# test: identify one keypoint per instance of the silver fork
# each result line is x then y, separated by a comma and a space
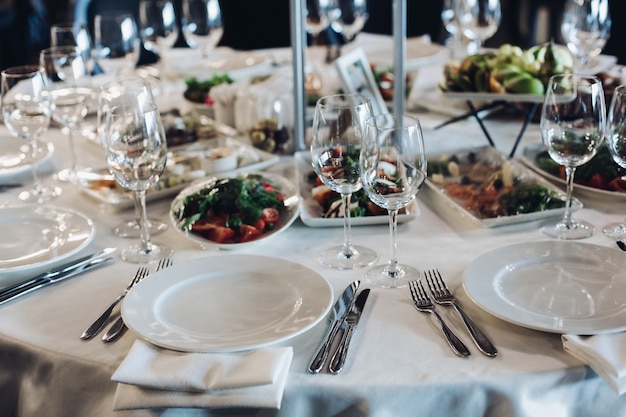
422, 303
98, 325
119, 327
442, 295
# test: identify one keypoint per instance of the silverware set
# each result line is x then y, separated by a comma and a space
118, 328
442, 296
346, 314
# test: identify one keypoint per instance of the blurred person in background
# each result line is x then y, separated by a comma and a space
24, 31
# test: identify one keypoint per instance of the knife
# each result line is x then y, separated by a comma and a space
341, 309
339, 358
61, 273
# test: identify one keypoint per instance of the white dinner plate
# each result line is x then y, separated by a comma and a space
13, 161
34, 237
553, 286
238, 65
310, 210
227, 303
420, 52
529, 156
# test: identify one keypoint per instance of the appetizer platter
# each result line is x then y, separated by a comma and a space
491, 190
234, 211
186, 164
601, 177
321, 207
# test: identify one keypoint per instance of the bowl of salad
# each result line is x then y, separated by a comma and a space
236, 211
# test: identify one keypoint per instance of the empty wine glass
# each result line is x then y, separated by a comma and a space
73, 34
616, 142
393, 171
113, 94
572, 128
486, 15
69, 86
586, 27
202, 24
158, 28
319, 15
338, 127
116, 42
136, 153
26, 113
352, 18
455, 15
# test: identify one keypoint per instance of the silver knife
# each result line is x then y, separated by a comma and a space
341, 309
61, 273
339, 358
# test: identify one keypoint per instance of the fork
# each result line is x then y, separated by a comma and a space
422, 303
443, 296
98, 325
119, 327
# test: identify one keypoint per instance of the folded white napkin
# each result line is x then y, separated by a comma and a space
151, 377
604, 353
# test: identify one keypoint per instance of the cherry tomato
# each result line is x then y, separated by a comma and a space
270, 215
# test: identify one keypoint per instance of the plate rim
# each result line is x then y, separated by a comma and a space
165, 276
473, 280
78, 248
20, 169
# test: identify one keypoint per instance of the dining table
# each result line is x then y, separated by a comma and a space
399, 364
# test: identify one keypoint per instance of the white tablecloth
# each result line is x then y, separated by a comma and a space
399, 366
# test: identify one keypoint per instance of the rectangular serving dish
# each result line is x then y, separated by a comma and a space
183, 168
492, 157
310, 210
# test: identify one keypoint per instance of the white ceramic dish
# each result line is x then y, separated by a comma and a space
238, 65
35, 237
529, 155
420, 52
521, 172
280, 183
553, 286
227, 303
184, 167
310, 209
12, 161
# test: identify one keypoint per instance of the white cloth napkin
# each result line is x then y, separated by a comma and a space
151, 377
604, 353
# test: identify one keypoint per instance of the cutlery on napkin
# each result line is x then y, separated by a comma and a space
151, 377
604, 353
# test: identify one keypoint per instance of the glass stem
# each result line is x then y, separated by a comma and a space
70, 129
569, 178
392, 266
34, 150
143, 220
348, 250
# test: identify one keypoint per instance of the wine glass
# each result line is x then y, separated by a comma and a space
572, 128
455, 16
616, 142
202, 24
70, 92
113, 94
338, 127
484, 22
73, 34
116, 42
158, 27
352, 18
26, 113
136, 153
393, 171
319, 15
586, 27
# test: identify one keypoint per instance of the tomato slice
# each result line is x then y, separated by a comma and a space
248, 232
270, 215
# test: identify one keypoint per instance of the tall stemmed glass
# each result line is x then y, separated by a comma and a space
202, 24
136, 153
69, 86
26, 112
338, 127
455, 16
158, 28
572, 125
486, 16
319, 15
116, 40
73, 34
616, 142
393, 171
352, 18
586, 27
